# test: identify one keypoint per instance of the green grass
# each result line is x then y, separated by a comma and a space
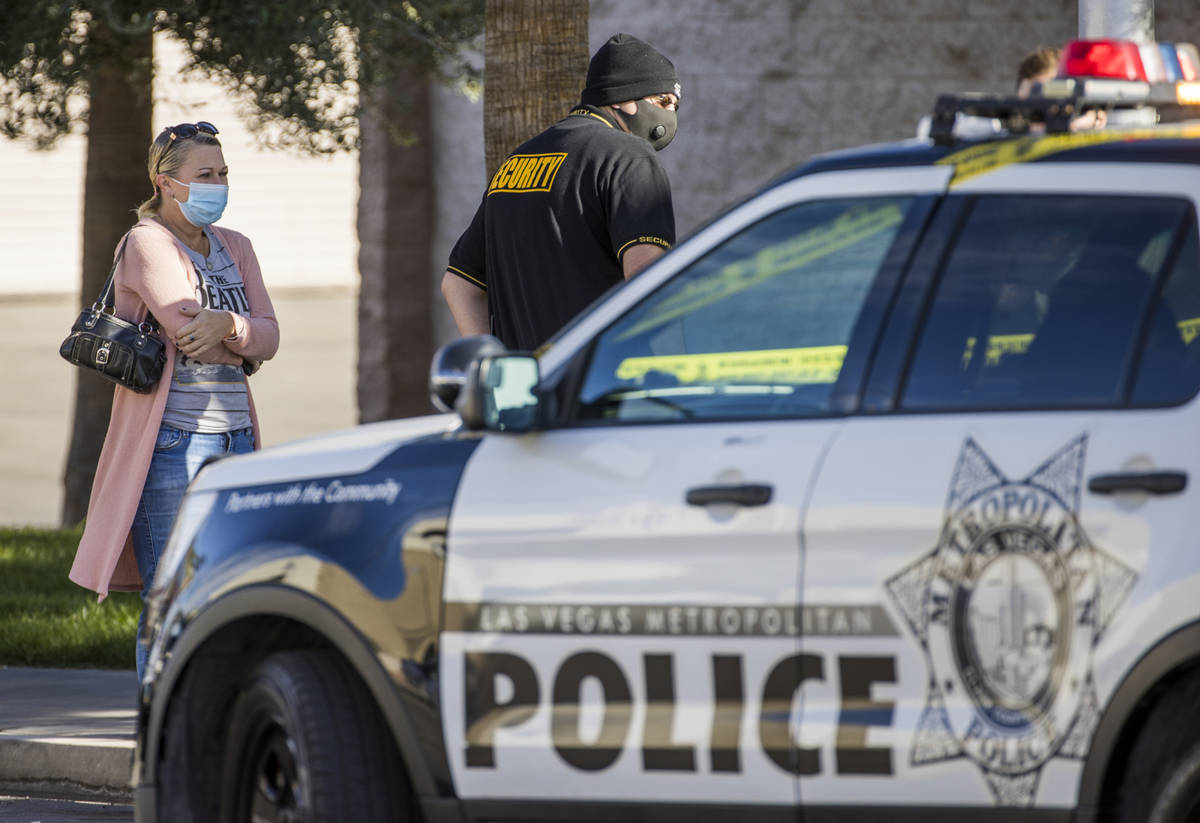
48, 621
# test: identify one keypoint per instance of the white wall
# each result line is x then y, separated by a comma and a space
461, 177
298, 210
41, 216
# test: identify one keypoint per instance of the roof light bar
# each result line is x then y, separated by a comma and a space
1135, 83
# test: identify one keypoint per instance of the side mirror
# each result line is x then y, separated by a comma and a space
499, 393
450, 366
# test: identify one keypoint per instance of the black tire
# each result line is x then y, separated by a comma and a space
307, 745
1160, 779
1179, 801
190, 763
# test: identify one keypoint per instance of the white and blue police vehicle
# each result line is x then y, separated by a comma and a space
872, 500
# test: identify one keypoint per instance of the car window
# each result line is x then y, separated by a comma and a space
1041, 302
758, 327
1169, 372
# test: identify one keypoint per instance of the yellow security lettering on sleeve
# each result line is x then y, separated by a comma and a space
645, 239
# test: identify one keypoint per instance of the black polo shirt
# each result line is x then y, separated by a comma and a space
555, 221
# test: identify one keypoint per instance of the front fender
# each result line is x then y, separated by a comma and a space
351, 561
326, 620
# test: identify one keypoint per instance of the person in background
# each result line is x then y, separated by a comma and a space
204, 287
575, 209
1040, 66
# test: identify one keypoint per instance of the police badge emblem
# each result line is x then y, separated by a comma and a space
1007, 608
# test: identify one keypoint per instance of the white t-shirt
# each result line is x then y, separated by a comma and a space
211, 397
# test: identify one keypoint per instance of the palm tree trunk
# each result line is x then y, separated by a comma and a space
395, 259
115, 181
535, 62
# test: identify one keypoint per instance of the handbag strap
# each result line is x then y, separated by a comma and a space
105, 301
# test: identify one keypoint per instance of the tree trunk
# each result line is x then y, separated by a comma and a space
115, 181
395, 258
535, 64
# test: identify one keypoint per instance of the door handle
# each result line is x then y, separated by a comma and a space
1168, 482
746, 494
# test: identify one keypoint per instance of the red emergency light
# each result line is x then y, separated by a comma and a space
1118, 59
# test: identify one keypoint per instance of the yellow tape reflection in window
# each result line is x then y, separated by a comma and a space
815, 364
998, 346
848, 229
1188, 329
1001, 344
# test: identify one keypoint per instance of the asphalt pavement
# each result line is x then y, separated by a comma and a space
20, 809
67, 732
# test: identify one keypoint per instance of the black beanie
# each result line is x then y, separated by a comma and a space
626, 68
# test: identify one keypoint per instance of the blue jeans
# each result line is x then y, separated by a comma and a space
178, 456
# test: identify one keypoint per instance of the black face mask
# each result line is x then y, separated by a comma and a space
652, 123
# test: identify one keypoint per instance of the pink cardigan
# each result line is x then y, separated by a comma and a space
155, 273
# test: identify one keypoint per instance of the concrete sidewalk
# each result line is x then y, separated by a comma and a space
67, 732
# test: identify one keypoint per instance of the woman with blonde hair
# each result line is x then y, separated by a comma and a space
203, 286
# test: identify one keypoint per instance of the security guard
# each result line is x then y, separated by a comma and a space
576, 208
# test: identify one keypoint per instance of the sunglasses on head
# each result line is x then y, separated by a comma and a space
187, 130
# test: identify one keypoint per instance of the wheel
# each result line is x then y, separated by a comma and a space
1160, 781
1179, 801
306, 745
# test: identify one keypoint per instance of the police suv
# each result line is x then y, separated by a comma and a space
869, 501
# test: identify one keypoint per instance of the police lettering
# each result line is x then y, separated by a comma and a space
501, 691
727, 621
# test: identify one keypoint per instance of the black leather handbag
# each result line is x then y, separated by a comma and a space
127, 354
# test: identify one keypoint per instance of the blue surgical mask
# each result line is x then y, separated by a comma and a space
205, 203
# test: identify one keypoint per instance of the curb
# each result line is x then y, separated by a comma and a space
89, 770
67, 732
